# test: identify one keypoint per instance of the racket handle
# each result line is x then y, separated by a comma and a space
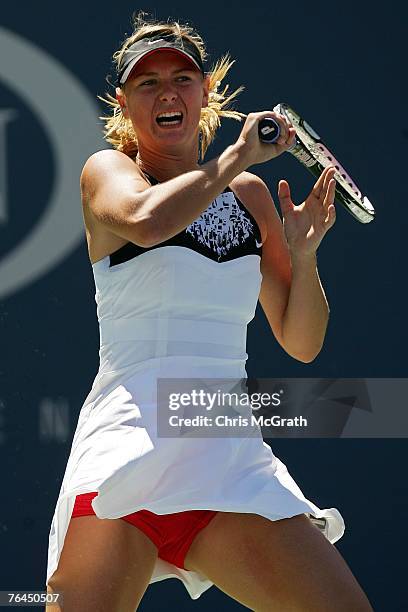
268, 130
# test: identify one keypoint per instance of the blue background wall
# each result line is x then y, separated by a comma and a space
342, 66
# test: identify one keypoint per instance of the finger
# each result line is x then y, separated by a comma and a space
319, 185
284, 196
330, 194
291, 137
328, 177
331, 216
282, 138
289, 126
290, 140
270, 114
284, 129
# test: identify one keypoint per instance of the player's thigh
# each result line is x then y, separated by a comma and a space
285, 565
105, 565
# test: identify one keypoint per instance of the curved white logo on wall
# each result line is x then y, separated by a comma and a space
73, 134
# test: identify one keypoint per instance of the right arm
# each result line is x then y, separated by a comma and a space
120, 198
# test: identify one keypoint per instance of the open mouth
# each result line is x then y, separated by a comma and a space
170, 119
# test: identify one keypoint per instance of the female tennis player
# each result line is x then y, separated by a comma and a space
181, 249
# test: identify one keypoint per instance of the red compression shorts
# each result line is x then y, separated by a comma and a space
173, 534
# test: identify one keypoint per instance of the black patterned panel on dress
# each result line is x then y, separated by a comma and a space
226, 230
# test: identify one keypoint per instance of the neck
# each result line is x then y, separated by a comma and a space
166, 165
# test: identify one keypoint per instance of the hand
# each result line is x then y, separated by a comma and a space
305, 225
256, 151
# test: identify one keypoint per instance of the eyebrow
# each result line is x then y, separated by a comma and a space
144, 74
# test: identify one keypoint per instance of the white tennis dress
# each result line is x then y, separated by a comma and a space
176, 310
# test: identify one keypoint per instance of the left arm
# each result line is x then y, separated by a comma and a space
292, 295
307, 314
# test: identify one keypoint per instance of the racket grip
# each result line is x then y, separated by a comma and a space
268, 130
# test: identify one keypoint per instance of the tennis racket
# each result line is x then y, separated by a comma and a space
312, 153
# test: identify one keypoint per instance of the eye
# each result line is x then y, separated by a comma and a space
184, 78
149, 82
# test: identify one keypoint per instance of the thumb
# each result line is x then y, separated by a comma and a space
285, 199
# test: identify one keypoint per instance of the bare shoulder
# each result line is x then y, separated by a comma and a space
108, 182
102, 164
106, 156
247, 180
255, 195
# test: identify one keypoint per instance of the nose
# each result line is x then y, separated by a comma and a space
168, 94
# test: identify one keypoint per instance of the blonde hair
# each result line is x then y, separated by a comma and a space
118, 130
